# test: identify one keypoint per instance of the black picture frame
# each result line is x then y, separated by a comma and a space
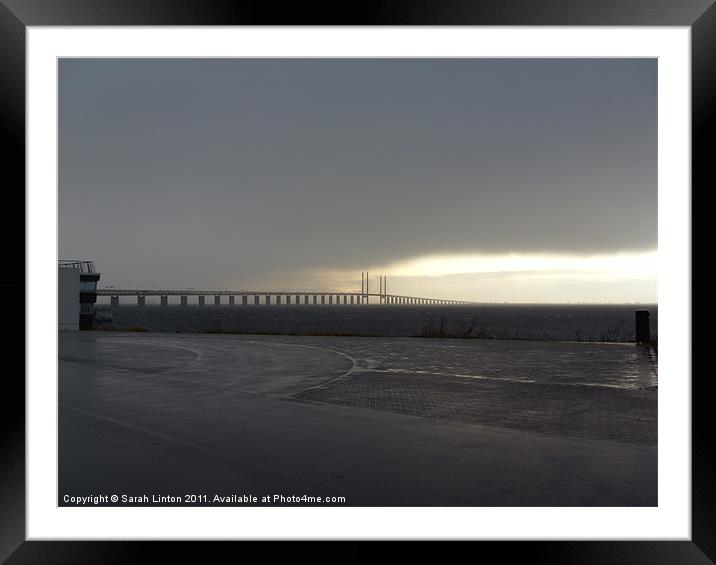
699, 15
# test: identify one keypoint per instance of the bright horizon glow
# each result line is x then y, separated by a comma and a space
615, 266
623, 277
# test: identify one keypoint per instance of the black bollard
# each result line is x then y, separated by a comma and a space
643, 333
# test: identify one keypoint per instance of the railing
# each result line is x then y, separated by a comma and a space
81, 266
103, 315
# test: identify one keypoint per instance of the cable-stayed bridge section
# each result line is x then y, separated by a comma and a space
268, 297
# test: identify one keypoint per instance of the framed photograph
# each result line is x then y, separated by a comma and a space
395, 276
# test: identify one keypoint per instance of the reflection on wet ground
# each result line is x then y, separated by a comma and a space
384, 421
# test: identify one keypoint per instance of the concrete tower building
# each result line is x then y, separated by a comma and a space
77, 294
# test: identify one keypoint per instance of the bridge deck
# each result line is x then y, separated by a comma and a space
115, 292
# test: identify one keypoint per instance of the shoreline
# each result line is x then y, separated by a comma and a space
220, 331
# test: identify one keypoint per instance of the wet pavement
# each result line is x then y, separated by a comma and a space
379, 421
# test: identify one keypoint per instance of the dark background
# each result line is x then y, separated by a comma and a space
701, 15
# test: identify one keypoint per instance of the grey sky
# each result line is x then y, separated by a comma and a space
190, 172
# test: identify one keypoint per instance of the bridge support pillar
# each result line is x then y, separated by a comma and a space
140, 300
164, 300
345, 299
244, 300
184, 299
305, 299
231, 300
268, 299
352, 299
202, 300
323, 298
256, 299
278, 299
330, 299
114, 300
217, 299
288, 299
315, 299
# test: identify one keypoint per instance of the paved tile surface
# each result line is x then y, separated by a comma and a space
578, 411
601, 391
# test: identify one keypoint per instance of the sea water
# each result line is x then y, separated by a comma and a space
568, 322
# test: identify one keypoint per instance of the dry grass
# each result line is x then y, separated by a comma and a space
441, 328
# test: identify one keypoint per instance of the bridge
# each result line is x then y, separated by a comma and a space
267, 297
